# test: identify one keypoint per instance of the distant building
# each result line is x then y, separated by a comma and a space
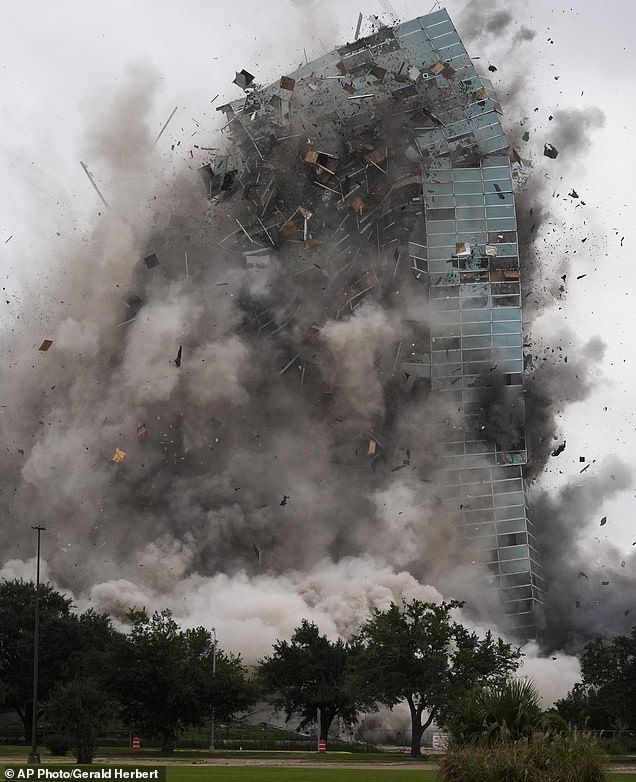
397, 142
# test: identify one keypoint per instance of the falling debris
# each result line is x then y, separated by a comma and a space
287, 83
357, 34
92, 181
559, 449
243, 79
603, 521
165, 125
284, 500
151, 261
46, 344
119, 456
550, 151
582, 574
177, 360
142, 431
492, 68
573, 194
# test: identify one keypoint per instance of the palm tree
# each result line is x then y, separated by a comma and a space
497, 714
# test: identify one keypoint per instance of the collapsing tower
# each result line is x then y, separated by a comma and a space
386, 155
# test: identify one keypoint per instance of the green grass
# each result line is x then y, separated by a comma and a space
276, 774
126, 755
269, 774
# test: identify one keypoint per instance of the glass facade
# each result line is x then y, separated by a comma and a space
468, 257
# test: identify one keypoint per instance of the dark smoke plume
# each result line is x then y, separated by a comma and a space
589, 594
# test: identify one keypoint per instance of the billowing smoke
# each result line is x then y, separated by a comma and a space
585, 591
205, 435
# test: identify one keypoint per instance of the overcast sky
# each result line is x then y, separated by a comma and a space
60, 63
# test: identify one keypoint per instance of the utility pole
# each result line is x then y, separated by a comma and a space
34, 756
213, 690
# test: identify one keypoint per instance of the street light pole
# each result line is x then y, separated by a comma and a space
213, 692
34, 756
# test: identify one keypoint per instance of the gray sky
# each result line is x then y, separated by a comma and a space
61, 62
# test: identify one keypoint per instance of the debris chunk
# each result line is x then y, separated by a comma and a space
582, 574
559, 449
492, 68
243, 79
151, 261
119, 456
46, 344
603, 521
287, 83
177, 360
284, 500
142, 431
550, 151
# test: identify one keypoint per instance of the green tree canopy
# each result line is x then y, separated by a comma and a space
606, 698
70, 644
310, 676
165, 678
57, 643
415, 652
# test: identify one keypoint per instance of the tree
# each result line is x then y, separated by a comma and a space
70, 644
606, 698
58, 642
165, 678
494, 714
80, 709
415, 652
310, 676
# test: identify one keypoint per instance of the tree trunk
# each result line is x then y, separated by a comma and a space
25, 712
326, 718
85, 746
416, 738
25, 719
417, 729
168, 740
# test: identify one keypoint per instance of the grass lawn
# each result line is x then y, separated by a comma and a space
176, 773
269, 774
194, 773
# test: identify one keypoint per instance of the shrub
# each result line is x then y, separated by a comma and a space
57, 744
571, 758
505, 712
